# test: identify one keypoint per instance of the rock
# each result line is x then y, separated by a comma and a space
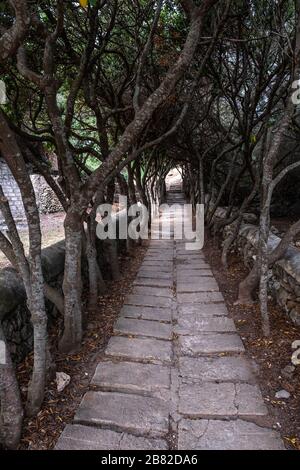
295, 316
288, 371
62, 381
282, 394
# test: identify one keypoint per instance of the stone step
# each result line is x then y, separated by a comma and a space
158, 258
144, 273
198, 297
210, 343
141, 281
216, 369
203, 309
158, 264
144, 416
226, 435
186, 264
194, 276
132, 377
195, 324
158, 244
154, 255
140, 349
154, 269
204, 284
136, 327
189, 271
221, 400
184, 253
79, 437
150, 290
162, 234
156, 291
160, 247
147, 313
149, 301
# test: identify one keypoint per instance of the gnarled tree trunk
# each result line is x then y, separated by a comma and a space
11, 411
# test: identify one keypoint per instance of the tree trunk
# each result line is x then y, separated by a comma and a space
72, 285
11, 411
96, 282
36, 387
32, 277
201, 181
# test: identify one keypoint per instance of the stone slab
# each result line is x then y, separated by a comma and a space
166, 252
161, 244
124, 412
200, 297
203, 284
216, 400
194, 324
211, 343
131, 377
149, 301
222, 369
189, 255
136, 327
142, 281
156, 291
79, 437
147, 313
154, 275
158, 255
139, 349
226, 435
158, 264
250, 401
203, 310
155, 269
157, 260
191, 263
182, 253
186, 270
194, 275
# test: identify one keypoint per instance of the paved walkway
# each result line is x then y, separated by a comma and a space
175, 374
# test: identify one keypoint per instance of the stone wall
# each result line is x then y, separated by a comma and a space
284, 277
11, 191
46, 199
14, 314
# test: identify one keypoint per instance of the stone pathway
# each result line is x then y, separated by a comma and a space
175, 374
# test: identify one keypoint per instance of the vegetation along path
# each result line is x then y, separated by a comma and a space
175, 374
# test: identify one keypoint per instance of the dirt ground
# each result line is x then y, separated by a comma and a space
52, 231
271, 354
42, 432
